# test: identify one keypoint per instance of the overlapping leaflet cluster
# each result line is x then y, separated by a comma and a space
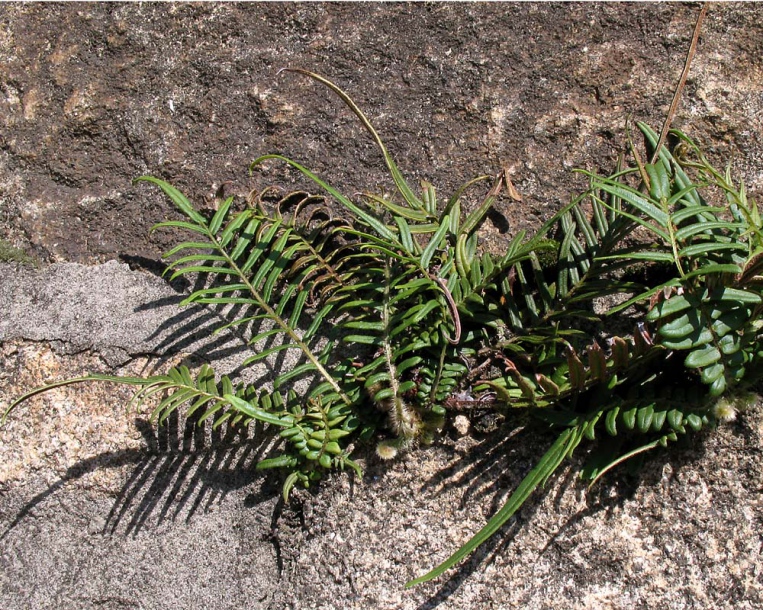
392, 308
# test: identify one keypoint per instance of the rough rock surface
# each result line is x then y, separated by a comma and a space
93, 96
99, 510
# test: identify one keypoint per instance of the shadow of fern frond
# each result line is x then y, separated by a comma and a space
181, 471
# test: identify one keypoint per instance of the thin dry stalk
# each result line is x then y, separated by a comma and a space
681, 83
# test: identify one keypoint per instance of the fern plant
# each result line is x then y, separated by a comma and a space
394, 314
699, 326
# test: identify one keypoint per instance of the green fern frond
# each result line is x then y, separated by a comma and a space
265, 244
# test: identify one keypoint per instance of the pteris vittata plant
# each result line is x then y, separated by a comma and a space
392, 306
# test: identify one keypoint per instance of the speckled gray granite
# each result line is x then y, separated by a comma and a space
99, 509
112, 310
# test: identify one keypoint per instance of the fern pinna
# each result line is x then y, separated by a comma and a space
396, 315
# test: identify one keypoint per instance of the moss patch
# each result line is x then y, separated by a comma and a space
11, 254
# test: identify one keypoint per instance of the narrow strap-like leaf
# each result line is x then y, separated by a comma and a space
585, 227
683, 193
434, 243
239, 220
399, 210
700, 227
703, 212
261, 246
430, 199
405, 236
203, 269
547, 465
371, 220
657, 230
402, 186
292, 373
180, 224
244, 407
472, 221
451, 205
187, 245
219, 217
635, 199
710, 248
177, 198
244, 239
139, 381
